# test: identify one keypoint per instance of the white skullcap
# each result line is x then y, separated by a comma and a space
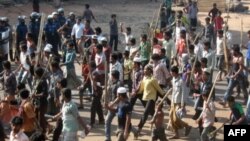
48, 48
121, 90
104, 39
137, 59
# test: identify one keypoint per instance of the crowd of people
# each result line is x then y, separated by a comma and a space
183, 62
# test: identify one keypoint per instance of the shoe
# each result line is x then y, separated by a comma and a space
135, 135
187, 130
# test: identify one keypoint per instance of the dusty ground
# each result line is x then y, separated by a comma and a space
135, 13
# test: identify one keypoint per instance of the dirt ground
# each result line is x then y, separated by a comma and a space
134, 13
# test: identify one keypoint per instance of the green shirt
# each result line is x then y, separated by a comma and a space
144, 51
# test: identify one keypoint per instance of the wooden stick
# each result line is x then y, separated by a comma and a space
39, 43
211, 92
106, 83
162, 100
212, 134
241, 32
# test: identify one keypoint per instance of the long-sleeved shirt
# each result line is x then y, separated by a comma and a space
136, 78
208, 114
117, 66
161, 73
169, 46
150, 87
69, 61
177, 94
10, 82
77, 30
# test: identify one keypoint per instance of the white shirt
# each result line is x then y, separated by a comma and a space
208, 115
177, 94
210, 57
77, 30
169, 46
127, 38
178, 32
117, 66
198, 49
219, 46
23, 60
18, 137
99, 61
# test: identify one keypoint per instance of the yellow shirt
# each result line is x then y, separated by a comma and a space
128, 65
150, 87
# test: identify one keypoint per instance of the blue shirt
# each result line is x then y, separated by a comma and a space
21, 31
70, 57
248, 50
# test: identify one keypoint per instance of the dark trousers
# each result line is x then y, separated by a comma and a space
40, 112
149, 110
96, 107
58, 130
193, 22
133, 100
113, 38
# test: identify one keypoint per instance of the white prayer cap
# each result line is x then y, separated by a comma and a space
94, 37
137, 59
48, 48
121, 90
71, 13
104, 39
184, 57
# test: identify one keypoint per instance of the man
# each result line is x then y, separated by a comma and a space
237, 76
209, 31
26, 110
4, 41
21, 31
128, 36
169, 45
16, 133
34, 25
177, 99
144, 50
113, 32
220, 53
213, 12
237, 115
77, 33
192, 14
88, 14
61, 18
51, 35
116, 65
9, 81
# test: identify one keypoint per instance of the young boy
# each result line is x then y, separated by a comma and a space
159, 130
9, 80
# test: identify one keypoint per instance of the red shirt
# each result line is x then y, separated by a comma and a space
85, 71
181, 46
218, 22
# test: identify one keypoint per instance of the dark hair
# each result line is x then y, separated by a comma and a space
156, 57
87, 6
66, 93
197, 64
155, 40
207, 18
7, 65
114, 56
39, 71
175, 69
71, 43
113, 15
144, 36
99, 46
126, 53
23, 46
17, 121
24, 93
30, 35
191, 47
163, 50
230, 99
168, 33
14, 102
115, 74
54, 64
236, 48
183, 31
128, 29
133, 41
207, 44
98, 29
204, 60
63, 82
